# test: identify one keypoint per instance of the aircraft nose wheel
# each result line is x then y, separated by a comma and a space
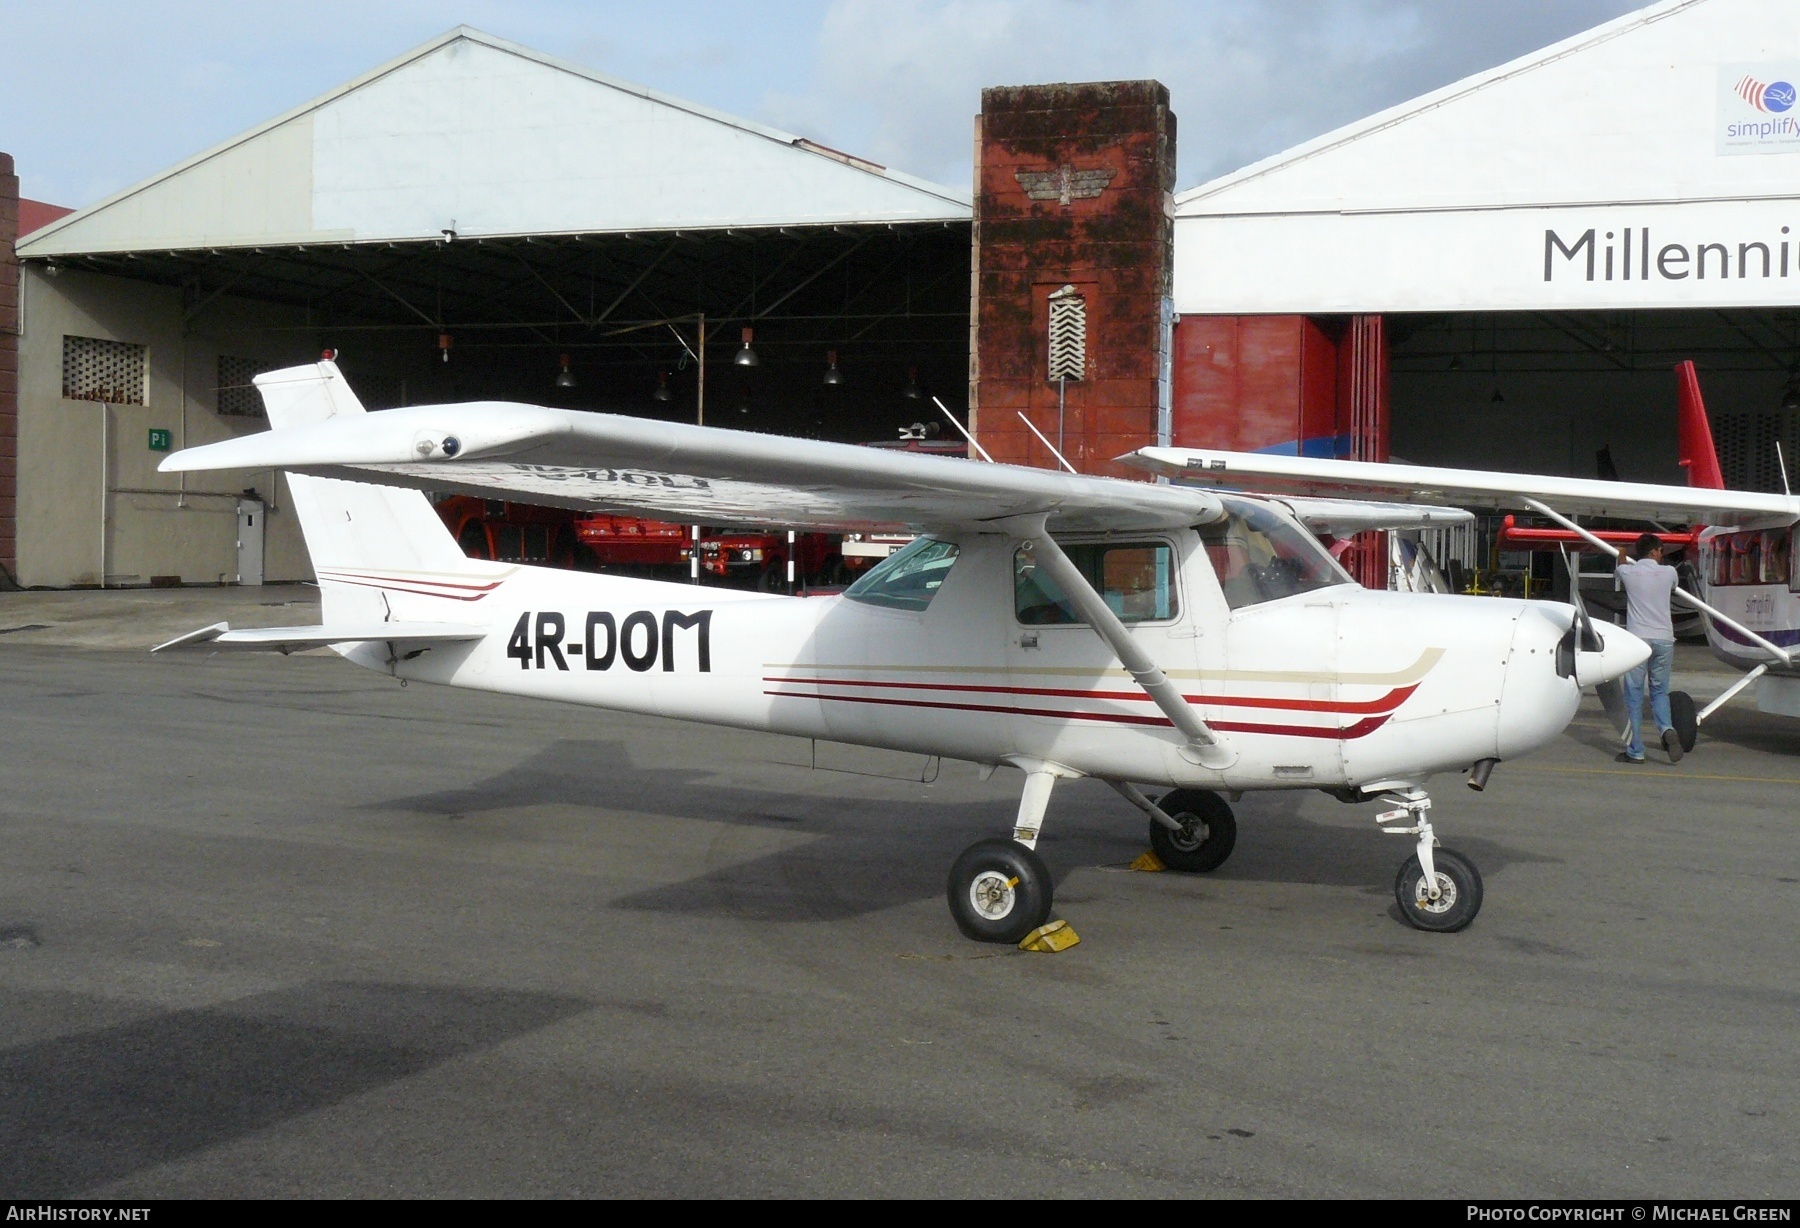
1207, 836
1458, 897
999, 891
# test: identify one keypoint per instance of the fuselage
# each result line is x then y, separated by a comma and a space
1748, 574
1333, 687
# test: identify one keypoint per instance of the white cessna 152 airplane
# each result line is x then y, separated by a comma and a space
1065, 625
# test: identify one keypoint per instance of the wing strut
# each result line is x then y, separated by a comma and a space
1204, 746
1680, 594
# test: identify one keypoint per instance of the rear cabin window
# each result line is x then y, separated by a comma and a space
1136, 580
1753, 556
909, 579
1259, 555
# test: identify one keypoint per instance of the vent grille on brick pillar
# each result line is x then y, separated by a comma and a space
237, 393
97, 370
1068, 335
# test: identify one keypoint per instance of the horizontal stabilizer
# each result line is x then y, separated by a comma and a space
220, 636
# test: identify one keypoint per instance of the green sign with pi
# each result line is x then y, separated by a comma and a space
159, 439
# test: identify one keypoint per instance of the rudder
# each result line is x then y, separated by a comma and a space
353, 524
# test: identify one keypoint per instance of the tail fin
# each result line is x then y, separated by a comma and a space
352, 524
1694, 433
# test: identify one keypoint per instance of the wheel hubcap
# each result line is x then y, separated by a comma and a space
1192, 835
1446, 895
992, 894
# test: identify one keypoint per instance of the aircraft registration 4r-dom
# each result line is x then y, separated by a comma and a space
1145, 634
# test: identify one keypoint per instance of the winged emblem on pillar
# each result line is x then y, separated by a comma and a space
1065, 183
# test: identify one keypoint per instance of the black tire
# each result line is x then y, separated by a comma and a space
773, 578
1207, 836
999, 891
1685, 719
1460, 897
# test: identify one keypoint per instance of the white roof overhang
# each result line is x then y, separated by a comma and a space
1644, 163
476, 135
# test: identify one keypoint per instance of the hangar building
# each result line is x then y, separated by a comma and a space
471, 220
1501, 272
1533, 248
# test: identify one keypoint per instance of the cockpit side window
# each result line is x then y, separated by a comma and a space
1259, 555
1135, 579
908, 579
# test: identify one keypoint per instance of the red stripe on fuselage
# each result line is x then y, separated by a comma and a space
1386, 703
1360, 729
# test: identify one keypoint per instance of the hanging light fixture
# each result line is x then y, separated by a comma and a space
444, 346
743, 405
746, 357
565, 378
832, 374
661, 392
1497, 398
912, 391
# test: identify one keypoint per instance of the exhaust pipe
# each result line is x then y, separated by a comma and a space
1479, 773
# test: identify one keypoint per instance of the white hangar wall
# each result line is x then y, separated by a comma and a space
1544, 240
88, 486
1454, 201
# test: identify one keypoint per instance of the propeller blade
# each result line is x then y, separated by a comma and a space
1590, 639
1612, 698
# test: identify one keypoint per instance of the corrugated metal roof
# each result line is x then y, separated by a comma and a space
475, 134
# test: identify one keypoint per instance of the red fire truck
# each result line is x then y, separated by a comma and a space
653, 548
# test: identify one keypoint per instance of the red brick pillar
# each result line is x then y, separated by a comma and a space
9, 371
1074, 187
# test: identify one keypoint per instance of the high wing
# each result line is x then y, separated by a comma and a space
671, 471
1480, 488
298, 639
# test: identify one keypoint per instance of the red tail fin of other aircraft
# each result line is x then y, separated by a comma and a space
1694, 433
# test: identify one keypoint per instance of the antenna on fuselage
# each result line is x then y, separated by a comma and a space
961, 429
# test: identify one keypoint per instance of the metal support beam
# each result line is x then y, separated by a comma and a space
1132, 794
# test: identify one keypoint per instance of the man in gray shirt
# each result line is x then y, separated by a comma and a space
1648, 583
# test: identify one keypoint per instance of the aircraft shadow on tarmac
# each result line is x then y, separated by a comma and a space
868, 853
93, 1107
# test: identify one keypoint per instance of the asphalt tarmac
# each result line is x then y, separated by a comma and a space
278, 927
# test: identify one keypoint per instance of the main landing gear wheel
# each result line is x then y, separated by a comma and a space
1684, 718
999, 891
1459, 893
1208, 831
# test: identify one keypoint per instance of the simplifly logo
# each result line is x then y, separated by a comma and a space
1756, 111
1774, 98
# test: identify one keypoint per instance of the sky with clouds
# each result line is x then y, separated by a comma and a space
97, 94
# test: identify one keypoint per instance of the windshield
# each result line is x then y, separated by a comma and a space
1261, 555
909, 579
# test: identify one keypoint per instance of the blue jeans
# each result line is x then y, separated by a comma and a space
1662, 658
